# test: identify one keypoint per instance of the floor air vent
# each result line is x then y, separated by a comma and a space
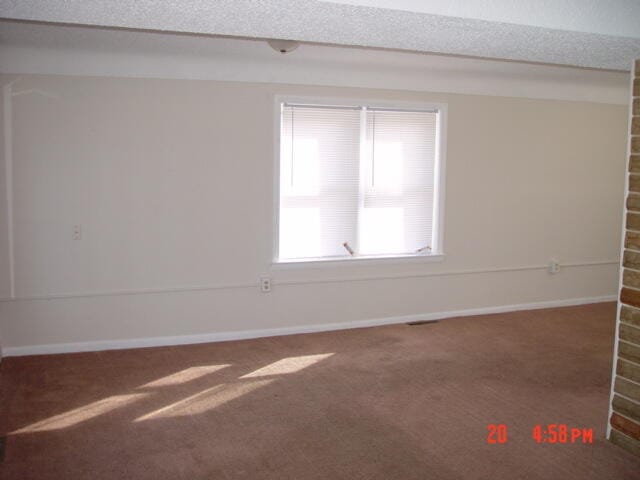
421, 322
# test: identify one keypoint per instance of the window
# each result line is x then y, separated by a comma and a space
358, 181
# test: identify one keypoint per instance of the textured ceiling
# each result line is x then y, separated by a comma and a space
332, 23
611, 17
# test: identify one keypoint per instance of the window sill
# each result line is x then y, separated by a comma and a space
357, 261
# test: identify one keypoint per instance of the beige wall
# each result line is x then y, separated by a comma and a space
172, 181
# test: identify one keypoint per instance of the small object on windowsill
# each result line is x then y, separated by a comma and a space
348, 248
426, 249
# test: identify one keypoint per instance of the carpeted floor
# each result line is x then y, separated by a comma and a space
396, 402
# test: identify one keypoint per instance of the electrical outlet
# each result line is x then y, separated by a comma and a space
554, 266
265, 284
77, 232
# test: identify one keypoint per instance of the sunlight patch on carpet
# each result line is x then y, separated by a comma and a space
184, 376
206, 400
82, 414
287, 365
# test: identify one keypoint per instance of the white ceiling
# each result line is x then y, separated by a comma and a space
585, 33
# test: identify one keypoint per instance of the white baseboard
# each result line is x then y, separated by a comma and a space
271, 332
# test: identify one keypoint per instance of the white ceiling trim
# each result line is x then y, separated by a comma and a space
325, 22
66, 50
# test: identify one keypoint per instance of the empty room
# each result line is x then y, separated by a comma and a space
302, 239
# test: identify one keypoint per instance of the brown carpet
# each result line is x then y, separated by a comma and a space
396, 402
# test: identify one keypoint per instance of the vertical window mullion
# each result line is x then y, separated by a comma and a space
364, 156
437, 177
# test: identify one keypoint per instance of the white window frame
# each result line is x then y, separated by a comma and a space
437, 251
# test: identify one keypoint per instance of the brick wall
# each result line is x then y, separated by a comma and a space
625, 419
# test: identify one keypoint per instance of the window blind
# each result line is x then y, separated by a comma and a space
397, 210
355, 175
319, 171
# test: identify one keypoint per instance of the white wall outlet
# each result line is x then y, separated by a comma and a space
265, 284
77, 232
554, 266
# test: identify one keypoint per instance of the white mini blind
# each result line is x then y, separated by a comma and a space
397, 210
355, 175
319, 171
